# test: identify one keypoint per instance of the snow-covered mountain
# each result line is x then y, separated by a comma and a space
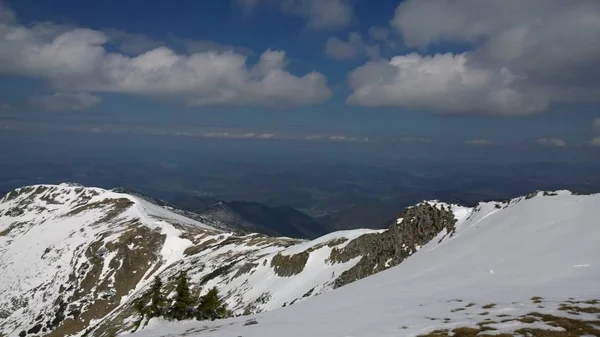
74, 259
525, 267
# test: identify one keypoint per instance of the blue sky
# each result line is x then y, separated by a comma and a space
319, 70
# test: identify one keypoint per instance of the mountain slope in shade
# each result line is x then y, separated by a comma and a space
259, 218
522, 267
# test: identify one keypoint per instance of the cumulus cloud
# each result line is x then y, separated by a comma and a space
134, 44
479, 142
524, 55
320, 14
555, 142
65, 101
76, 60
443, 82
353, 48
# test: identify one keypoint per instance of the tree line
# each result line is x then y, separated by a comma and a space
183, 306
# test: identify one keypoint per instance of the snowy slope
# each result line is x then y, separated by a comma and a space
501, 257
66, 244
74, 260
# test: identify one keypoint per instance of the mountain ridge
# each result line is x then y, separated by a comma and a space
521, 267
119, 238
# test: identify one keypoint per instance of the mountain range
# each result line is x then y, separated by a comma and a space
74, 260
255, 217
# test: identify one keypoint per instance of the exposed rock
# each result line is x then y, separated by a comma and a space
246, 268
380, 251
289, 265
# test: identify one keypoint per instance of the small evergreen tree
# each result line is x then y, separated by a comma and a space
182, 307
211, 306
140, 306
157, 299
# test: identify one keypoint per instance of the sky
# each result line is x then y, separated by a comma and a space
473, 73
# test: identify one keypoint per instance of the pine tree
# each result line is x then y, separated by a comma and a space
140, 306
211, 306
182, 308
157, 303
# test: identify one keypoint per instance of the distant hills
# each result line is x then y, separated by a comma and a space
255, 217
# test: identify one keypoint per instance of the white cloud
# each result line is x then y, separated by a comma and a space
264, 136
351, 49
134, 44
320, 14
442, 82
595, 142
65, 101
76, 60
479, 142
552, 46
551, 142
539, 52
343, 138
247, 135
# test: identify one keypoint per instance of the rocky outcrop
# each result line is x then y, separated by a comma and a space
416, 226
286, 266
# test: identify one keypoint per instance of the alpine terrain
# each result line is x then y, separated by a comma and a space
75, 261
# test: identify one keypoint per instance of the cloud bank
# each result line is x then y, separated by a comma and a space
479, 142
75, 61
524, 57
555, 142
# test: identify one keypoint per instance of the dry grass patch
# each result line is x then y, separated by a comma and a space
572, 327
576, 309
536, 299
527, 319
